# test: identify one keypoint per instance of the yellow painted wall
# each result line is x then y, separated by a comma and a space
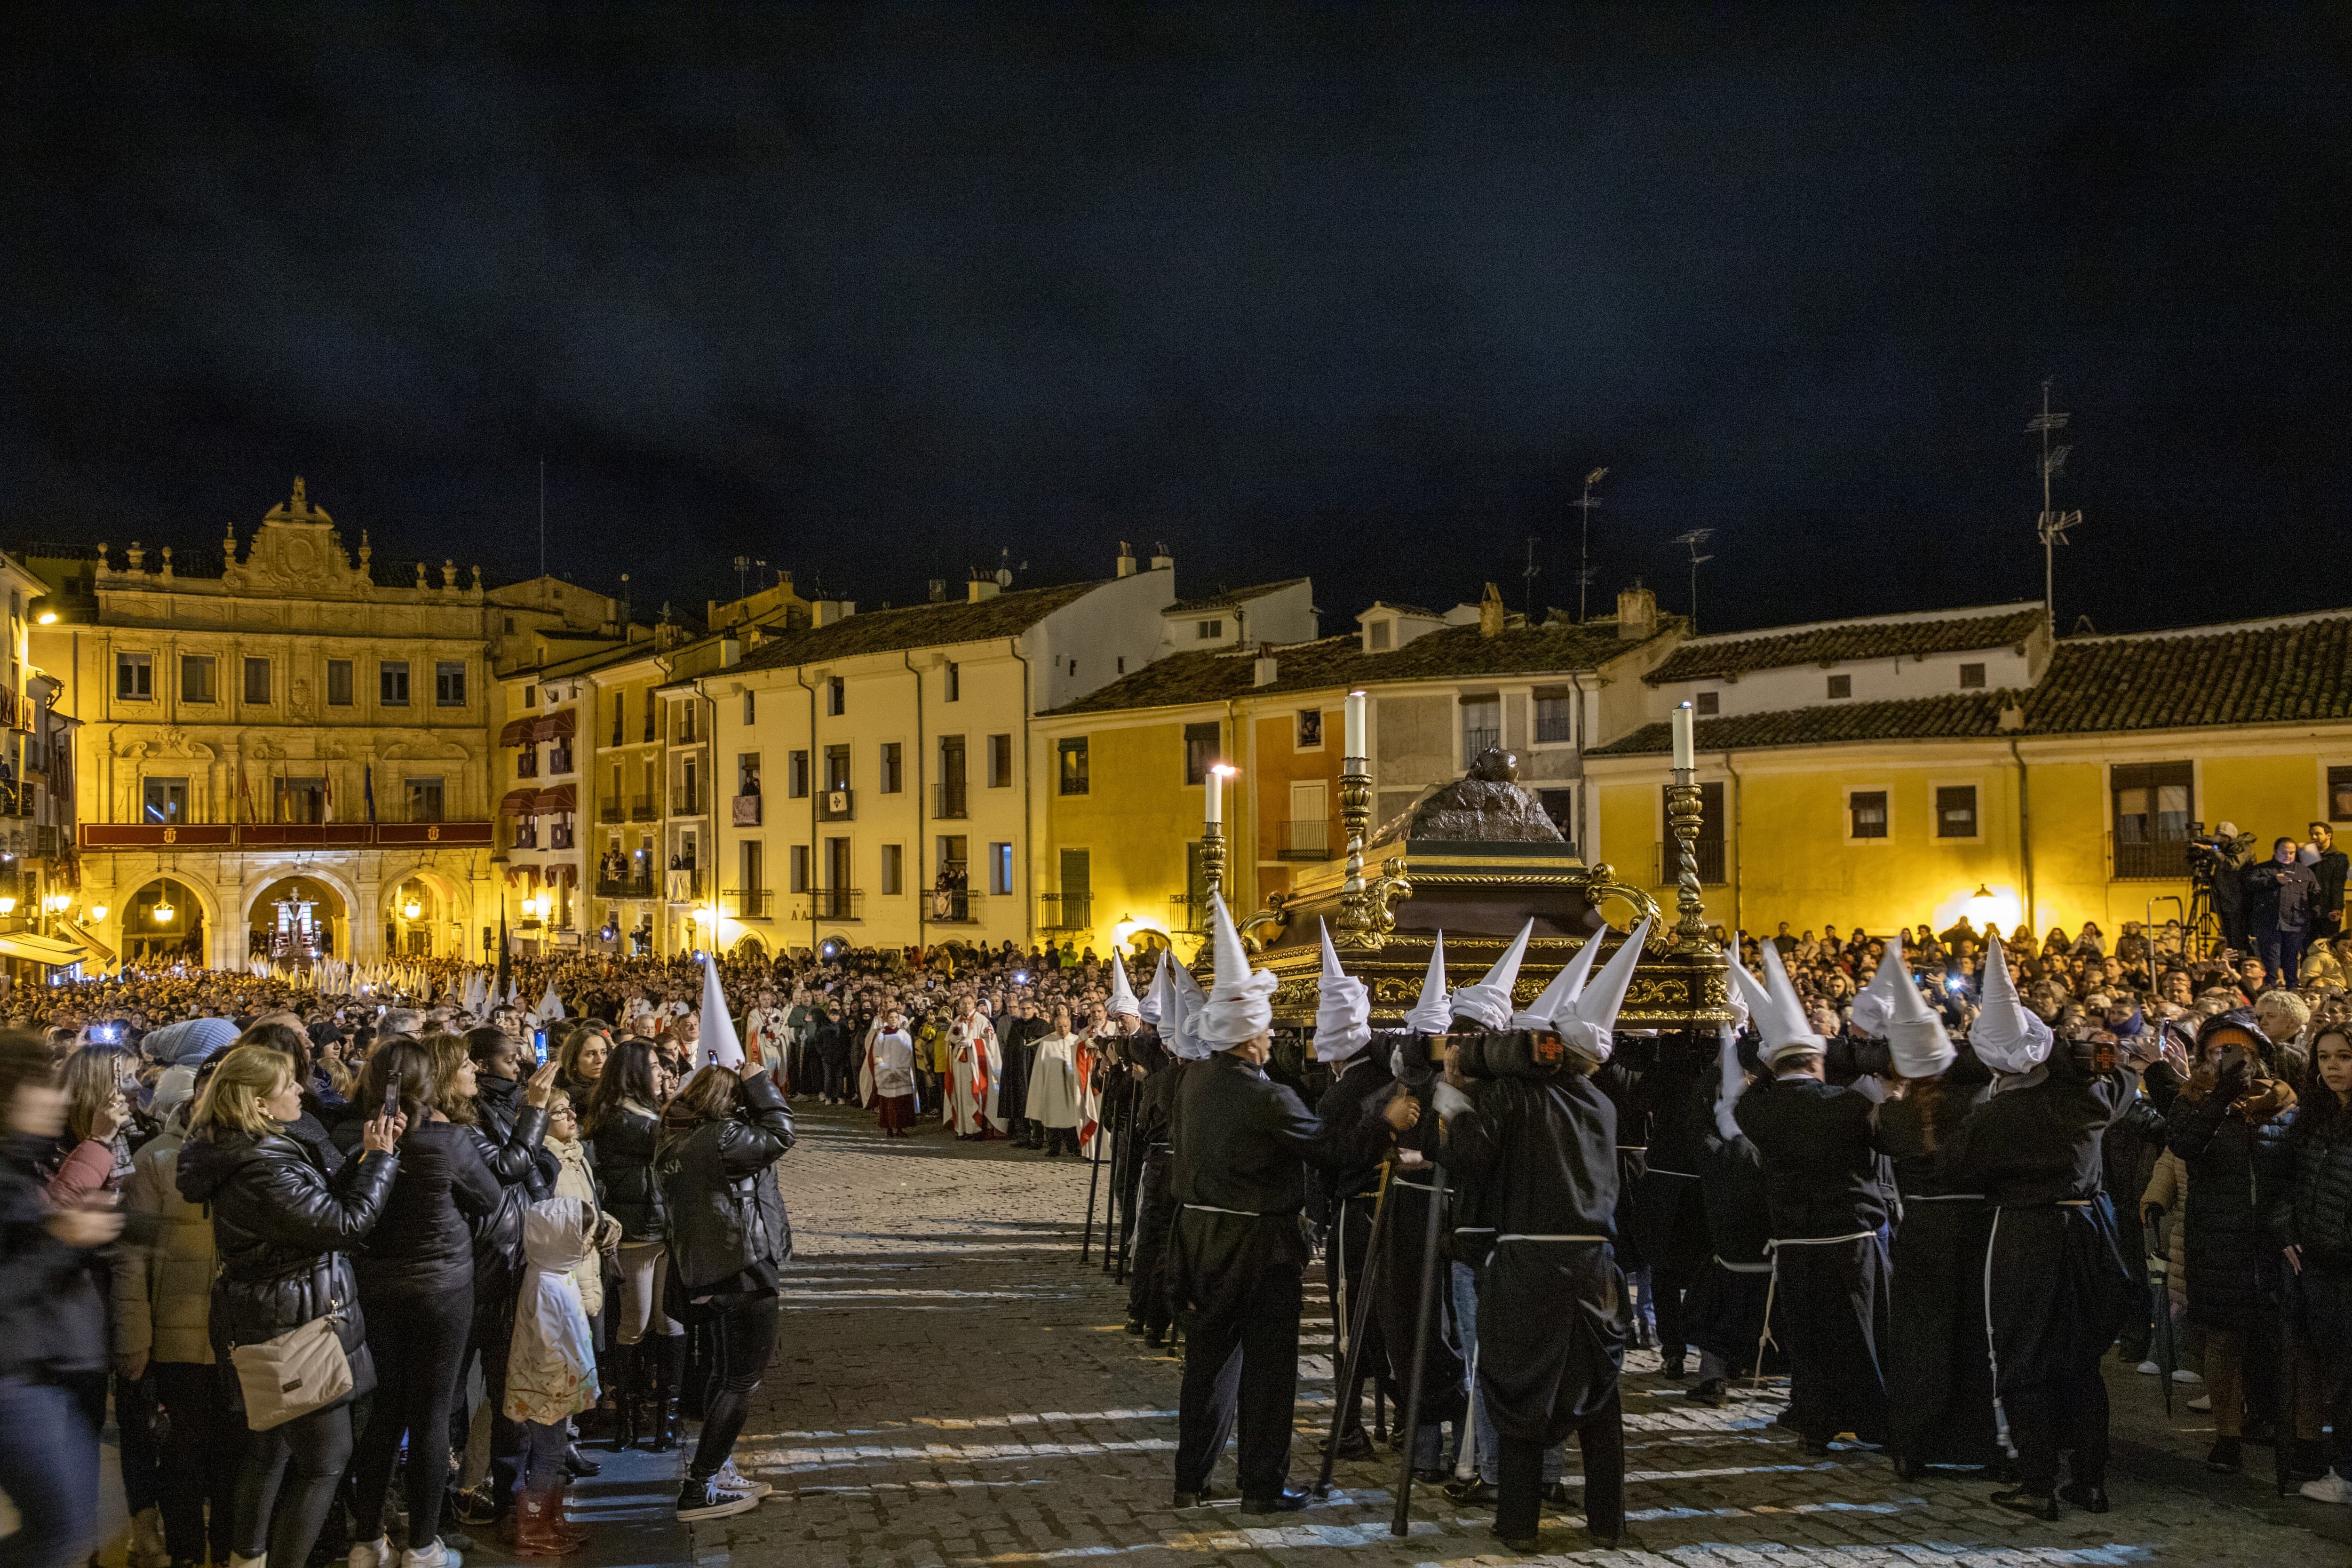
1137, 819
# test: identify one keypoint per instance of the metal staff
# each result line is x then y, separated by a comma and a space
1094, 1178
1358, 1320
1117, 1153
2283, 1453
1410, 1428
1129, 1154
2159, 1273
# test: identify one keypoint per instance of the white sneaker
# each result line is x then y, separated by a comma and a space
437, 1555
2202, 1403
2185, 1375
2329, 1488
2150, 1369
147, 1548
735, 1480
376, 1553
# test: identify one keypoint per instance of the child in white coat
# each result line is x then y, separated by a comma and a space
551, 1369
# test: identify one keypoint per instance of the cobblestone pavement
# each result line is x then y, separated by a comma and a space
952, 1387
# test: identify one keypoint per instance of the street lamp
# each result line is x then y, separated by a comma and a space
164, 912
410, 909
98, 912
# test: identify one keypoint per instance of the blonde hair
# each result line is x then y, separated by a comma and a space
246, 1076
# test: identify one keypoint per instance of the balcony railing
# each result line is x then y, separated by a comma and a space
747, 811
2163, 857
685, 802
625, 887
955, 906
608, 811
559, 762
1475, 744
1187, 914
1667, 866
1301, 840
837, 805
527, 763
836, 903
560, 836
283, 834
747, 903
682, 885
526, 837
641, 808
947, 802
1066, 911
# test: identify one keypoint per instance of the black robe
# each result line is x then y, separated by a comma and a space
1342, 1199
1398, 1290
1727, 1315
1938, 1379
1821, 1175
1541, 1155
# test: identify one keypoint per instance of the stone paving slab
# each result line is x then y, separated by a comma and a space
952, 1389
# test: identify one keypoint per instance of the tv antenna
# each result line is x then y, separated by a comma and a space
1531, 573
1585, 540
1691, 542
2053, 524
743, 564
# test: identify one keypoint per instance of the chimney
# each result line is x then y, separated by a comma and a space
1126, 560
825, 611
939, 590
731, 652
1637, 611
1265, 671
2011, 720
980, 588
1490, 612
1160, 560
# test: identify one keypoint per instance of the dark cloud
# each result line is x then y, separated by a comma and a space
875, 293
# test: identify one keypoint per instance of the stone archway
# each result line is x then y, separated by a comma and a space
279, 925
167, 920
437, 929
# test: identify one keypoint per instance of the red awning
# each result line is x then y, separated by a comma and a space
518, 803
517, 731
557, 726
551, 801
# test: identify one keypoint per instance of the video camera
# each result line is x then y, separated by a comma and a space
1512, 1053
2212, 855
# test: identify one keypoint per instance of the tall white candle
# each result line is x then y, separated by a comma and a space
1684, 752
1355, 724
1216, 800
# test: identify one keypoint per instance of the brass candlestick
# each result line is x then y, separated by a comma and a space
1355, 822
1681, 820
1212, 863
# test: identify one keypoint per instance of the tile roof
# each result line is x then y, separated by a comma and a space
917, 625
2262, 673
1226, 599
1845, 641
1212, 676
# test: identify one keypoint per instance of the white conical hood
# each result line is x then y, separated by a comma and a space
1343, 1009
550, 1005
1185, 1000
1588, 1024
1155, 995
717, 1028
1488, 1002
1565, 988
1122, 995
1779, 1013
1431, 1015
1731, 1082
2007, 1036
1241, 1002
1890, 1008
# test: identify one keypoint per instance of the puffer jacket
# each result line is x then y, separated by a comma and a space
726, 1212
2168, 1193
2232, 1269
423, 1245
509, 1136
623, 1143
163, 1291
2308, 1200
284, 1230
50, 1319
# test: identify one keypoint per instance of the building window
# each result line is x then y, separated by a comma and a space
797, 775
836, 697
799, 869
1559, 805
1706, 849
1555, 715
1956, 811
166, 800
1380, 634
509, 622
1000, 761
1209, 631
257, 681
1073, 765
999, 868
134, 677
339, 684
894, 869
747, 773
425, 800
196, 679
751, 708
893, 771
1865, 814
954, 681
2339, 795
391, 683
1200, 742
1308, 736
1840, 685
449, 685
1482, 726
837, 767
2153, 803
1972, 677
1706, 704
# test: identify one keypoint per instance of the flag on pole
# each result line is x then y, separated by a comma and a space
505, 982
367, 789
327, 796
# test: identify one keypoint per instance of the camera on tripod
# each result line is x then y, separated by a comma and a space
2212, 855
1513, 1053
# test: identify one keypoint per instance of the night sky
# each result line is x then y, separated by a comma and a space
875, 294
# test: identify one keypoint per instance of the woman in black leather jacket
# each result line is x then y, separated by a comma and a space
623, 1121
729, 1240
2308, 1211
284, 1229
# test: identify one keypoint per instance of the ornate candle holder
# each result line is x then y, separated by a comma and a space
1212, 862
1683, 811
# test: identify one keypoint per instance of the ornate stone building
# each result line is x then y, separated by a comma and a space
290, 752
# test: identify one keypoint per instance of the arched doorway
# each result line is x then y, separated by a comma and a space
421, 917
298, 918
163, 924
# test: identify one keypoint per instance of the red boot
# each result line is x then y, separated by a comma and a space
539, 1529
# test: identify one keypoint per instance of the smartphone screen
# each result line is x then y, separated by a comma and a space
539, 1044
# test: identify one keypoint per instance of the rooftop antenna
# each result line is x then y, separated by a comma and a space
1584, 542
2053, 524
743, 564
1531, 573
543, 517
1691, 542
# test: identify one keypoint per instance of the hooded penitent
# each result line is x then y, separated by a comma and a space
1122, 995
1241, 1001
2007, 1036
1155, 995
1343, 1009
550, 1005
717, 1028
1185, 1000
1565, 988
1776, 1011
1731, 1082
1486, 1003
1429, 1014
1588, 1024
1890, 1008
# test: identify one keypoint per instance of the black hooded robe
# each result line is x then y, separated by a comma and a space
1939, 1378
